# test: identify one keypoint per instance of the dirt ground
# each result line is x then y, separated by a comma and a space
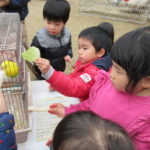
75, 23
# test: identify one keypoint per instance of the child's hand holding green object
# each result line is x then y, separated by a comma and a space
43, 65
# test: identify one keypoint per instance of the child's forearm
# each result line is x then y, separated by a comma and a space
3, 107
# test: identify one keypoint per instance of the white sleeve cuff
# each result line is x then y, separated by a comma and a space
48, 74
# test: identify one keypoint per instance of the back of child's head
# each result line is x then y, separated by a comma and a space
56, 10
132, 53
86, 131
101, 36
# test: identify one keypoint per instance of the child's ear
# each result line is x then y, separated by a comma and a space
146, 82
101, 52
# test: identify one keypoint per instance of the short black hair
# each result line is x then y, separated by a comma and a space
58, 10
132, 52
101, 36
84, 130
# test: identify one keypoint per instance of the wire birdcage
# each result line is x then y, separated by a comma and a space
135, 11
15, 85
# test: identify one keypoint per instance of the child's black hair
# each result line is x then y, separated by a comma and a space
57, 10
101, 36
132, 53
86, 131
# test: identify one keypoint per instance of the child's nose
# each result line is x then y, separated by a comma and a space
51, 26
79, 51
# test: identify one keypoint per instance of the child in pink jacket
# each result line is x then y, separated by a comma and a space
123, 96
93, 54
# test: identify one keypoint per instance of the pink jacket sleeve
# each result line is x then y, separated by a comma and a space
101, 79
73, 86
85, 105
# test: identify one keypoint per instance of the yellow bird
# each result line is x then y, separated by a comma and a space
11, 68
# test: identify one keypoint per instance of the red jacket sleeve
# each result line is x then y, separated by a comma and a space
74, 86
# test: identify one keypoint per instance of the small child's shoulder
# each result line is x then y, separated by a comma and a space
41, 31
102, 76
103, 73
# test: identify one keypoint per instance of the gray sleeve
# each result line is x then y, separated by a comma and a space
48, 75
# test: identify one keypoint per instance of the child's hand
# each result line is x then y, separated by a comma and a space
49, 142
57, 109
43, 65
67, 58
4, 3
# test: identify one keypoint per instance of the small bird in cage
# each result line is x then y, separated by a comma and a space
11, 68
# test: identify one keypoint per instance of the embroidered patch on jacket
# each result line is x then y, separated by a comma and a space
86, 77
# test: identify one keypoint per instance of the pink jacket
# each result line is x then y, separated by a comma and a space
130, 111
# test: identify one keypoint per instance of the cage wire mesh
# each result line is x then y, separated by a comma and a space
135, 11
14, 87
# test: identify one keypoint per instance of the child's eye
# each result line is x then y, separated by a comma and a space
48, 22
85, 48
57, 24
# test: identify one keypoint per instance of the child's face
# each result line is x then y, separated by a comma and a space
54, 27
118, 77
86, 52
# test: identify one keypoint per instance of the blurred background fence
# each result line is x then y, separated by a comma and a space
136, 11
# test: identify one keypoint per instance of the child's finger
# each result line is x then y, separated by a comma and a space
53, 105
53, 110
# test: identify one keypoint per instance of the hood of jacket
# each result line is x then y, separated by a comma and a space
103, 63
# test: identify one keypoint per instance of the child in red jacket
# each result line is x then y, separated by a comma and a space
93, 54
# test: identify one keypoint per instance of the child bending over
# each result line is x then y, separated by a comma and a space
87, 131
7, 134
123, 96
54, 40
93, 54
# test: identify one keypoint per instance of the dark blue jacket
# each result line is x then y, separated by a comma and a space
7, 134
53, 48
104, 63
18, 6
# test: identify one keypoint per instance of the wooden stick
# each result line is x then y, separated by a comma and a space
38, 109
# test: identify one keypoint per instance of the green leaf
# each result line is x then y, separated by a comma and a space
31, 54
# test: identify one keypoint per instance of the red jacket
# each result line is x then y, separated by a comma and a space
78, 83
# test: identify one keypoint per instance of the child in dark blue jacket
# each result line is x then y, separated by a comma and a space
7, 134
54, 39
20, 7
